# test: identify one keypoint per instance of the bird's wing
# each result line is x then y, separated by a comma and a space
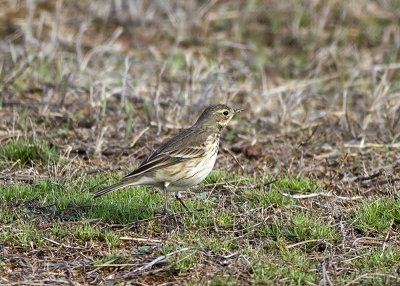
172, 152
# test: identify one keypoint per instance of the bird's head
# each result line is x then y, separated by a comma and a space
217, 115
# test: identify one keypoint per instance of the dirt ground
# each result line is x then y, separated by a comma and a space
307, 187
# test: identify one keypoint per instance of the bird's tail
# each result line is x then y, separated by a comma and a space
111, 188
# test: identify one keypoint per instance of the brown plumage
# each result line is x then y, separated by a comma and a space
184, 160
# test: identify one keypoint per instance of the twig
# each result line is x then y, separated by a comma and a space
370, 177
309, 137
299, 84
102, 48
223, 183
52, 241
367, 240
105, 264
386, 238
325, 276
230, 255
372, 145
40, 283
308, 196
115, 265
234, 157
267, 184
391, 66
140, 239
169, 126
158, 260
136, 139
18, 72
369, 275
124, 80
303, 242
24, 178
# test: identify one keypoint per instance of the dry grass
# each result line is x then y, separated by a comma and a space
102, 82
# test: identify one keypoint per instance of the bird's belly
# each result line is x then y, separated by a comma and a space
193, 172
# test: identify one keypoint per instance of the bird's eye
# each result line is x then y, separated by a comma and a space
226, 112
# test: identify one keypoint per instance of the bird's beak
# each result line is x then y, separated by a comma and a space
237, 110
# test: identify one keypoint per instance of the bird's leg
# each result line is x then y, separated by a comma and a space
165, 185
179, 198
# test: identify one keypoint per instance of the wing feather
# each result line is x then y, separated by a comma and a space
166, 159
184, 146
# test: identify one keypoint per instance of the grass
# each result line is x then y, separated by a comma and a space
113, 257
303, 226
377, 215
273, 198
301, 184
75, 203
25, 208
291, 266
35, 215
377, 260
28, 152
292, 273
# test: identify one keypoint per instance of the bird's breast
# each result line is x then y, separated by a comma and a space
194, 171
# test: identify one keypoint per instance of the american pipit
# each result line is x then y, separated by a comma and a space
184, 160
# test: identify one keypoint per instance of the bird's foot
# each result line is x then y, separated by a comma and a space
180, 200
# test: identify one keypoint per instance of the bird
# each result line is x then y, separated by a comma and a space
184, 160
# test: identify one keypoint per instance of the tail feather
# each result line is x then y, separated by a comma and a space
111, 188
